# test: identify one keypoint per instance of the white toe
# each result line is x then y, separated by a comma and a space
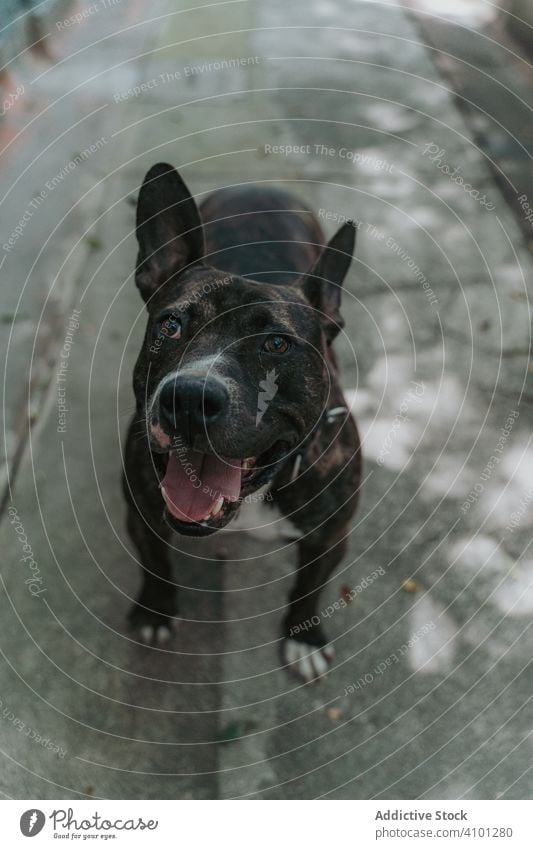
320, 664
305, 667
162, 635
146, 634
291, 651
329, 653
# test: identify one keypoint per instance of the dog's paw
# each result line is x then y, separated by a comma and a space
155, 635
308, 662
150, 627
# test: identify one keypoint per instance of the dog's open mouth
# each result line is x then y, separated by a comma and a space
202, 491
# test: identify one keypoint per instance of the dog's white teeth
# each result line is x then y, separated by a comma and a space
216, 509
163, 491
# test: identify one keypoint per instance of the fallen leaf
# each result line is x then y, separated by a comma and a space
236, 729
346, 593
93, 242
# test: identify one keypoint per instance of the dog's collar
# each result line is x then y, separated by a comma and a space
327, 417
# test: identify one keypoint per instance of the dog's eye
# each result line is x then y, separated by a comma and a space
276, 344
170, 326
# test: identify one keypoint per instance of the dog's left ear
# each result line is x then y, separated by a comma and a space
169, 229
322, 286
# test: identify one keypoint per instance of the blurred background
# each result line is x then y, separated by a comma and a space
414, 118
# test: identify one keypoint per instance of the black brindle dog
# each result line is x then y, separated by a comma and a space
236, 388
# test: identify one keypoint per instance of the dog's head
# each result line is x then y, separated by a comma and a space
233, 375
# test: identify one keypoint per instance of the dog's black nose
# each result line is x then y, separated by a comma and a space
190, 403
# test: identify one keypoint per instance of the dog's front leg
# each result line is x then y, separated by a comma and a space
305, 647
153, 614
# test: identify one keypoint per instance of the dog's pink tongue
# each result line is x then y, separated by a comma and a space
194, 482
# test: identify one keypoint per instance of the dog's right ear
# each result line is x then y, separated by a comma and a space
169, 229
